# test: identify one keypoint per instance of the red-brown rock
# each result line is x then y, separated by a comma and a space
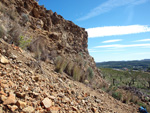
10, 100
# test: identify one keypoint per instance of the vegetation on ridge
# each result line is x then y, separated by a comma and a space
128, 86
134, 65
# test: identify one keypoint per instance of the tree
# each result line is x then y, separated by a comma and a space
148, 69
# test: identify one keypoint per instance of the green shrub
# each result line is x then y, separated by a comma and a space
117, 95
90, 73
24, 42
141, 104
25, 18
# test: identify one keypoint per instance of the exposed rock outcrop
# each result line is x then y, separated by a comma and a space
53, 36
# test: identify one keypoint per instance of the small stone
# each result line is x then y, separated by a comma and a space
21, 104
35, 94
11, 84
2, 93
3, 98
1, 110
65, 99
61, 95
80, 97
36, 78
83, 101
74, 108
13, 56
93, 109
12, 108
98, 100
28, 109
3, 73
53, 109
86, 82
5, 38
52, 97
10, 100
20, 95
3, 60
47, 102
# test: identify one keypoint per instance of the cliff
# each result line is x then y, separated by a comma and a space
53, 39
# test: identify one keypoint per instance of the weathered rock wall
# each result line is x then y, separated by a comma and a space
59, 37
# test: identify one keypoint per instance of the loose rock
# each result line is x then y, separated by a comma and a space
10, 100
3, 60
47, 103
28, 109
21, 104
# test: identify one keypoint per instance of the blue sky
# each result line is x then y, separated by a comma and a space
117, 29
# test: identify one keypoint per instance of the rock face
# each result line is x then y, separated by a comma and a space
53, 36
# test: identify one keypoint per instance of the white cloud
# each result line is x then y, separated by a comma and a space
143, 40
109, 41
143, 53
109, 5
104, 51
123, 46
91, 50
116, 30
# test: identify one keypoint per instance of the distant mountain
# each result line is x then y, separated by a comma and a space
135, 64
146, 60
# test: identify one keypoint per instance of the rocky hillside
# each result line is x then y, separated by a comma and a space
41, 54
24, 90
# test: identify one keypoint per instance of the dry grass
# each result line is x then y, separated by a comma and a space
2, 31
69, 67
2, 8
77, 72
12, 14
15, 33
134, 99
38, 47
126, 97
60, 64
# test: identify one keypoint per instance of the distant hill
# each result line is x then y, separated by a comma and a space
135, 64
